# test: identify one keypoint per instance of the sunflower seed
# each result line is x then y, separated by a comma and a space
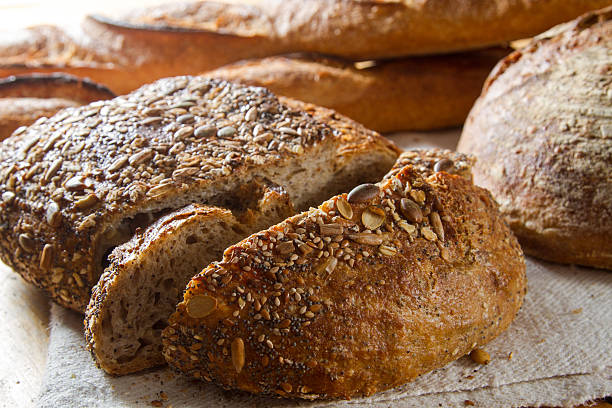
251, 114
117, 164
86, 202
186, 118
26, 242
428, 234
205, 131
227, 131
436, 223
46, 256
366, 238
53, 215
387, 250
183, 133
141, 157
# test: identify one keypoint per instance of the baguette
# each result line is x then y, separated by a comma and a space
138, 292
78, 184
362, 294
26, 98
542, 132
419, 93
124, 52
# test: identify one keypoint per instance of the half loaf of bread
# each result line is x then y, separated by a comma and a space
78, 184
359, 295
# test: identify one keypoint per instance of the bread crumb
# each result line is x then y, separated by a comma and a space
577, 311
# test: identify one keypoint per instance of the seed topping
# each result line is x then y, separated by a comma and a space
201, 306
362, 193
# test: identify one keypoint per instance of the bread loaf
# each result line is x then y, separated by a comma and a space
359, 295
80, 183
124, 52
138, 292
542, 132
418, 93
26, 98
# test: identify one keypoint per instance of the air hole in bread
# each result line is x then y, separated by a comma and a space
192, 239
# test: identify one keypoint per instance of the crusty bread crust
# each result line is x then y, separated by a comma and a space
360, 295
77, 184
418, 93
542, 132
24, 99
124, 52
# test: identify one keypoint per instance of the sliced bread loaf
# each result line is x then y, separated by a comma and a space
359, 295
138, 292
80, 183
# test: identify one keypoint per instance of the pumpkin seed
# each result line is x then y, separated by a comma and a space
411, 210
362, 193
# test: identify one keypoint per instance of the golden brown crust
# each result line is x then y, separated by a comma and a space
127, 51
542, 133
354, 297
419, 93
366, 29
68, 182
24, 99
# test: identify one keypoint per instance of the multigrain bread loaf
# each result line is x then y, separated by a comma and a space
418, 93
542, 132
360, 295
24, 99
124, 52
78, 184
138, 292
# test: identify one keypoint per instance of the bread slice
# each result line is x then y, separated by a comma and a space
542, 133
138, 292
418, 93
127, 51
80, 183
359, 295
26, 98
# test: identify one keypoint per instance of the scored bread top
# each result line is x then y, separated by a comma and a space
66, 180
359, 295
365, 29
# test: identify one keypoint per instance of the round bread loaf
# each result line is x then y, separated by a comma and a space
542, 135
